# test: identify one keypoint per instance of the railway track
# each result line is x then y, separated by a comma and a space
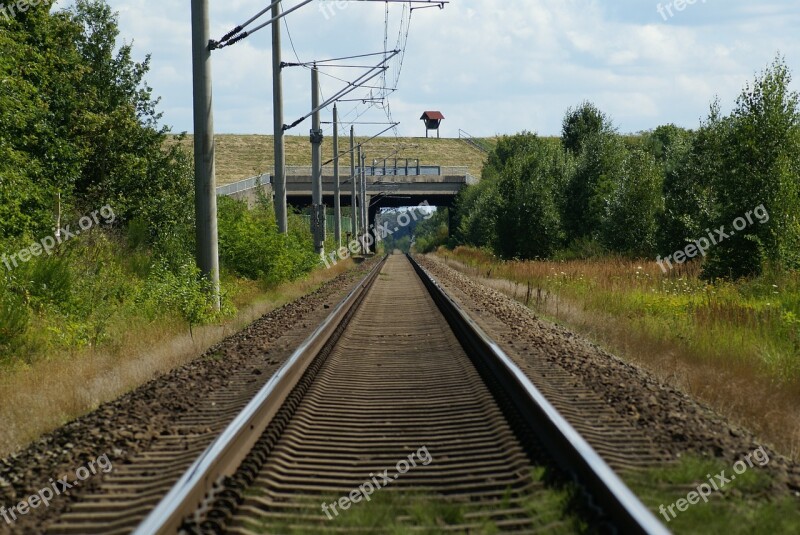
397, 413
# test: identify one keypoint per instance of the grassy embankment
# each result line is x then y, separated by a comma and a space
244, 156
743, 506
734, 345
58, 373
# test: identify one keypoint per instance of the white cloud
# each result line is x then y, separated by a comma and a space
491, 67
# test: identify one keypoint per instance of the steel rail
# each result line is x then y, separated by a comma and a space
568, 449
564, 444
223, 457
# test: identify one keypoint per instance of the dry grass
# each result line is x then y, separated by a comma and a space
48, 394
712, 349
244, 156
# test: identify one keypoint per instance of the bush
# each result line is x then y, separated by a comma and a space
251, 246
182, 291
14, 319
432, 233
582, 249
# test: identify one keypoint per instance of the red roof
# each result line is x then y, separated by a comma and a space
434, 115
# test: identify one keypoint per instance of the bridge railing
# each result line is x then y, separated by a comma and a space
243, 185
374, 170
473, 141
455, 171
423, 170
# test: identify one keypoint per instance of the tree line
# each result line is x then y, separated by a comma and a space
80, 130
596, 192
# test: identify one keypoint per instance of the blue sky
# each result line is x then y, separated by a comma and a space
492, 67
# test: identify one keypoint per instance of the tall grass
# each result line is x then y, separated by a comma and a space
90, 291
95, 287
107, 311
50, 389
751, 322
734, 346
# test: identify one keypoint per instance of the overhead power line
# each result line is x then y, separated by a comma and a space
237, 34
351, 86
358, 56
365, 142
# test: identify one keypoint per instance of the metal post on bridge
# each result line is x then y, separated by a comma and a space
361, 158
353, 184
337, 199
364, 204
205, 196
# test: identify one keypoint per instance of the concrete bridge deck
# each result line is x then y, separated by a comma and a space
383, 190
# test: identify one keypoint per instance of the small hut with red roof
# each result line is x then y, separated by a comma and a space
433, 120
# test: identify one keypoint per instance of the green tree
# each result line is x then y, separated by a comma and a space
474, 214
508, 148
434, 232
528, 219
477, 207
690, 162
760, 165
581, 124
591, 184
38, 68
125, 160
631, 220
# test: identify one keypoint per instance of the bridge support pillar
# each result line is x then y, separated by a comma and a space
372, 219
449, 221
368, 230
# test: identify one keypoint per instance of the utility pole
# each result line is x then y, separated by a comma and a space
205, 191
364, 203
279, 180
353, 183
360, 197
318, 209
337, 199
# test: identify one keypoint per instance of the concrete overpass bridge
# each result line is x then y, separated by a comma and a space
386, 187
